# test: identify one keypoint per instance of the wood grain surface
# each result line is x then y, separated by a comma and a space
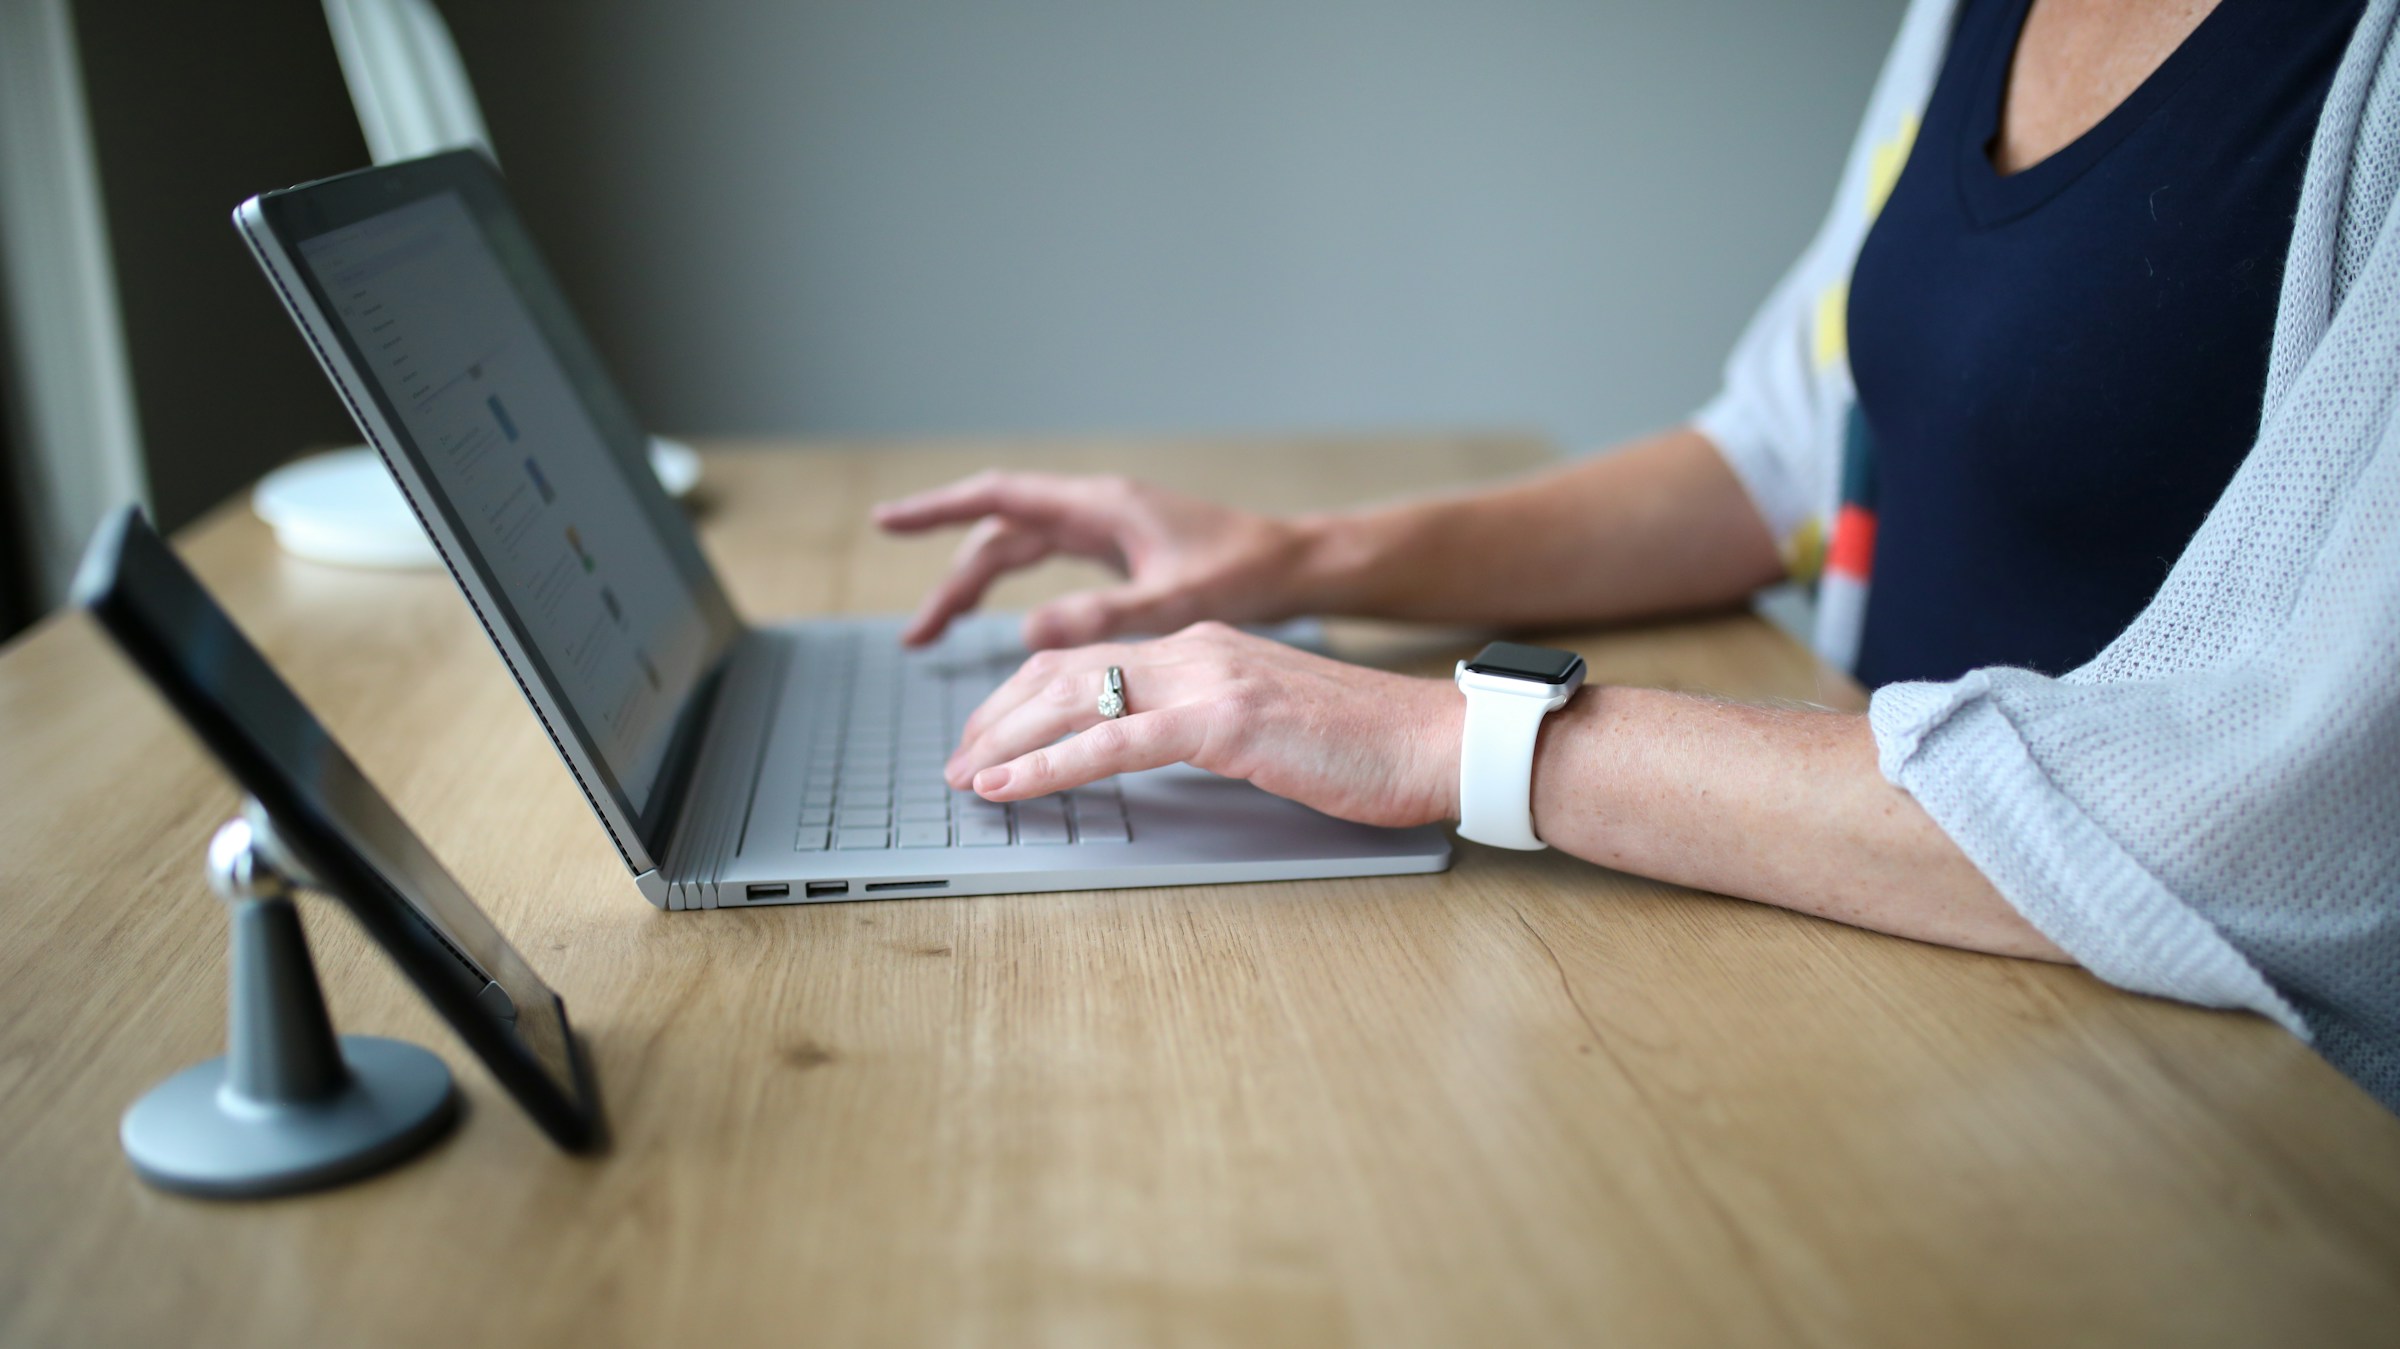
1529, 1101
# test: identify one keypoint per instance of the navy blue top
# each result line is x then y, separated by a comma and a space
2059, 370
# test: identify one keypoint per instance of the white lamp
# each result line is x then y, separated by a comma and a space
413, 99
405, 79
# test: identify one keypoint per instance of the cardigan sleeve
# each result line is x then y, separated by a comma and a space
1770, 416
2223, 832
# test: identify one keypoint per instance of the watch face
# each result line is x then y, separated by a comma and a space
1518, 661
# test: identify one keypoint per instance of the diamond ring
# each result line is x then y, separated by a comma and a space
1112, 694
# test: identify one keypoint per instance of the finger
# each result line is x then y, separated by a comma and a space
1127, 745
1092, 615
1067, 704
994, 547
1038, 670
1031, 498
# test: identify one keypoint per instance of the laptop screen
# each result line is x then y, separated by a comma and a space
503, 409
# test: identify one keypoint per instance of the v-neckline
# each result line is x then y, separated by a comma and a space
1991, 197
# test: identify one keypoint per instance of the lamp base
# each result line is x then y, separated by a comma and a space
194, 1135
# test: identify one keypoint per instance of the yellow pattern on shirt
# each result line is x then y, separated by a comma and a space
1804, 551
1830, 340
1829, 336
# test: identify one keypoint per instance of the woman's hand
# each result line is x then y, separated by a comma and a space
1361, 744
1183, 558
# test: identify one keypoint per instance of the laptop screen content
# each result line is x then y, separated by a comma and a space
535, 488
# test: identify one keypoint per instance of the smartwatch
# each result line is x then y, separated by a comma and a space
1510, 687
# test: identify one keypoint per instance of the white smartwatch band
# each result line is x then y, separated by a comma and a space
1495, 756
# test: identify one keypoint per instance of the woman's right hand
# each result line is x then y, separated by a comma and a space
1182, 559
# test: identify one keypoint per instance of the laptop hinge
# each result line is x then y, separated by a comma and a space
683, 755
705, 829
654, 888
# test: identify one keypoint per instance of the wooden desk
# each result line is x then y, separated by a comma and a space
1526, 1101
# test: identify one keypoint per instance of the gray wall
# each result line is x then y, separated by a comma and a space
17, 606
1073, 215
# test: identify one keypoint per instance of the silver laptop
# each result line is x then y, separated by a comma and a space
730, 764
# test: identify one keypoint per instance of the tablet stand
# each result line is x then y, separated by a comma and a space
289, 1107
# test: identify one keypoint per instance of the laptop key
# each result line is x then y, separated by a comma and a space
1102, 829
915, 835
811, 840
1042, 829
983, 833
862, 838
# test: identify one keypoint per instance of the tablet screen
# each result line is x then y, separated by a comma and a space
340, 828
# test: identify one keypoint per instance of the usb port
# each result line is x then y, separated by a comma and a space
874, 886
759, 892
820, 889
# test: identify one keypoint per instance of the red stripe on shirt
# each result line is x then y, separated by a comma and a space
1853, 551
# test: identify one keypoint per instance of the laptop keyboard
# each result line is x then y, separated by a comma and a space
882, 722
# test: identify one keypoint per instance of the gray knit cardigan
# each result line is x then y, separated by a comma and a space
2210, 809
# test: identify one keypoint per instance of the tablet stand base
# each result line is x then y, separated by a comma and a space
289, 1107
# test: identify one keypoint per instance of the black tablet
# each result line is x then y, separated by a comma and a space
353, 844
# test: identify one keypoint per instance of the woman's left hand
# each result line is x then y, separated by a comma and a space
1361, 744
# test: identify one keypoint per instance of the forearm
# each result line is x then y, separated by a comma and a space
1784, 807
1659, 526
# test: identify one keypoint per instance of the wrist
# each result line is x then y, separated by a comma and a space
1334, 558
1561, 756
1441, 730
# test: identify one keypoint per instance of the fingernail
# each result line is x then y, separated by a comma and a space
991, 780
